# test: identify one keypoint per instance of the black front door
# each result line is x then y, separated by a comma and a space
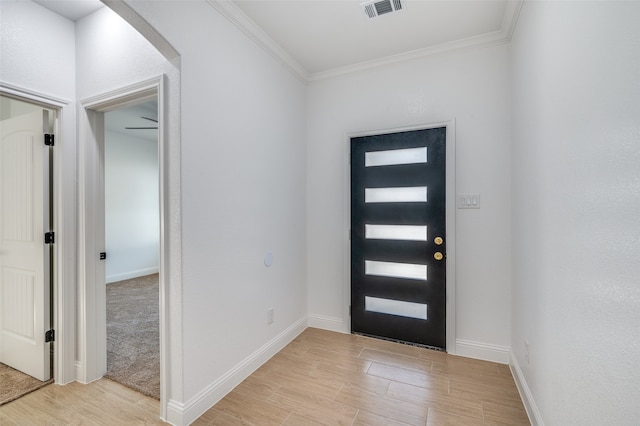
398, 247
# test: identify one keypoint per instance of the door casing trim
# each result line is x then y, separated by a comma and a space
92, 300
450, 218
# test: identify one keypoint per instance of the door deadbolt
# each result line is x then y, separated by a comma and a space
438, 256
438, 240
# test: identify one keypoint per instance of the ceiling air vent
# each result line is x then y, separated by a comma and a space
377, 8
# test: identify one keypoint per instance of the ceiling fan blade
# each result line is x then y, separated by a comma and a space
150, 119
141, 128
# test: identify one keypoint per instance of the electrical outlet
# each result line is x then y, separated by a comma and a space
526, 351
269, 316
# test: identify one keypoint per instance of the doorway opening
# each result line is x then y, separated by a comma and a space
26, 246
93, 253
132, 246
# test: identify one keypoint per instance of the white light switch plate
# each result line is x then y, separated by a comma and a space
470, 201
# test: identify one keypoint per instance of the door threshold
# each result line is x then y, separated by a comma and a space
402, 342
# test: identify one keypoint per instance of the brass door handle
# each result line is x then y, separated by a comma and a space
438, 255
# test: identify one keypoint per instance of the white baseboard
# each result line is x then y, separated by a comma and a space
80, 374
131, 274
327, 323
483, 351
78, 367
185, 413
525, 393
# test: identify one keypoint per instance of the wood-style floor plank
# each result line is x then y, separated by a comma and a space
326, 378
321, 378
99, 403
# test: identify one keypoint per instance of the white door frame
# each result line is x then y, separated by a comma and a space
450, 218
91, 277
64, 202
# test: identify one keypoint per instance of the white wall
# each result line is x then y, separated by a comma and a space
576, 210
111, 55
131, 206
470, 87
243, 132
37, 55
26, 28
243, 195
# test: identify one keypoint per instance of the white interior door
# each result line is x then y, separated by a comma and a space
24, 257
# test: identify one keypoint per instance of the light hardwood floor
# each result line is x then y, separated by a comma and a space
321, 378
325, 378
102, 402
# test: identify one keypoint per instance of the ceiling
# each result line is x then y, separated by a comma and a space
323, 38
71, 9
132, 116
323, 35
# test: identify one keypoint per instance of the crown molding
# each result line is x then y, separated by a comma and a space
235, 15
510, 18
501, 36
484, 40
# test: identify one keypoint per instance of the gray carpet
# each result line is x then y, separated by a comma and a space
133, 334
14, 384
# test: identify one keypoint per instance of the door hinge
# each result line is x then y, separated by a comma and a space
49, 238
349, 234
49, 336
48, 139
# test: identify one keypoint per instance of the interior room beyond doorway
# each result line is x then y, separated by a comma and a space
132, 246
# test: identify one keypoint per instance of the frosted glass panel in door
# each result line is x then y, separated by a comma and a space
396, 232
395, 307
395, 157
412, 194
395, 270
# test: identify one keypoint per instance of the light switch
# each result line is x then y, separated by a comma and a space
470, 201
